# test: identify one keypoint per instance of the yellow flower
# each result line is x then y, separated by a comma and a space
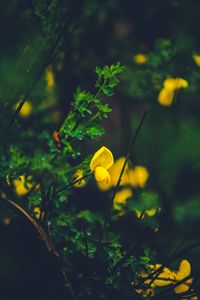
147, 213
50, 78
114, 172
181, 83
168, 277
104, 185
145, 293
26, 109
166, 97
140, 58
170, 85
138, 176
6, 221
22, 186
37, 212
78, 175
121, 198
183, 272
102, 160
196, 58
165, 277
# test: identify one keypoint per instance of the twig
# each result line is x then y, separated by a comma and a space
129, 154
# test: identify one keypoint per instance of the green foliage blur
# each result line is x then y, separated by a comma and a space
76, 76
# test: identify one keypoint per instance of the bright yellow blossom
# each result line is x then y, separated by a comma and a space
22, 186
170, 85
78, 175
138, 176
183, 272
196, 58
121, 198
26, 109
6, 221
115, 171
147, 213
166, 97
37, 212
168, 277
50, 78
140, 58
102, 160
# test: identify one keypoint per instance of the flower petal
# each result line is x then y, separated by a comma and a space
101, 174
184, 270
102, 158
121, 198
166, 97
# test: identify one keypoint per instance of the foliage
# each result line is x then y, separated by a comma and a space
109, 239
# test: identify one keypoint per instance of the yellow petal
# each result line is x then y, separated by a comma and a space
121, 198
104, 185
151, 212
140, 58
22, 187
50, 78
78, 175
26, 109
184, 270
182, 288
139, 214
181, 83
138, 176
101, 174
102, 158
166, 277
115, 171
37, 212
166, 97
170, 84
197, 59
6, 221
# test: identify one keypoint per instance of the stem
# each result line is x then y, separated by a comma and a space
72, 183
129, 154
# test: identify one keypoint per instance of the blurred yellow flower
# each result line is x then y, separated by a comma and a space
26, 109
196, 58
165, 277
138, 176
22, 185
50, 78
166, 97
6, 221
145, 293
78, 175
183, 272
140, 58
170, 85
101, 161
115, 171
37, 212
121, 198
147, 213
181, 83
168, 277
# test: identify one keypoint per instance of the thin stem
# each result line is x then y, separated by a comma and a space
129, 153
72, 183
